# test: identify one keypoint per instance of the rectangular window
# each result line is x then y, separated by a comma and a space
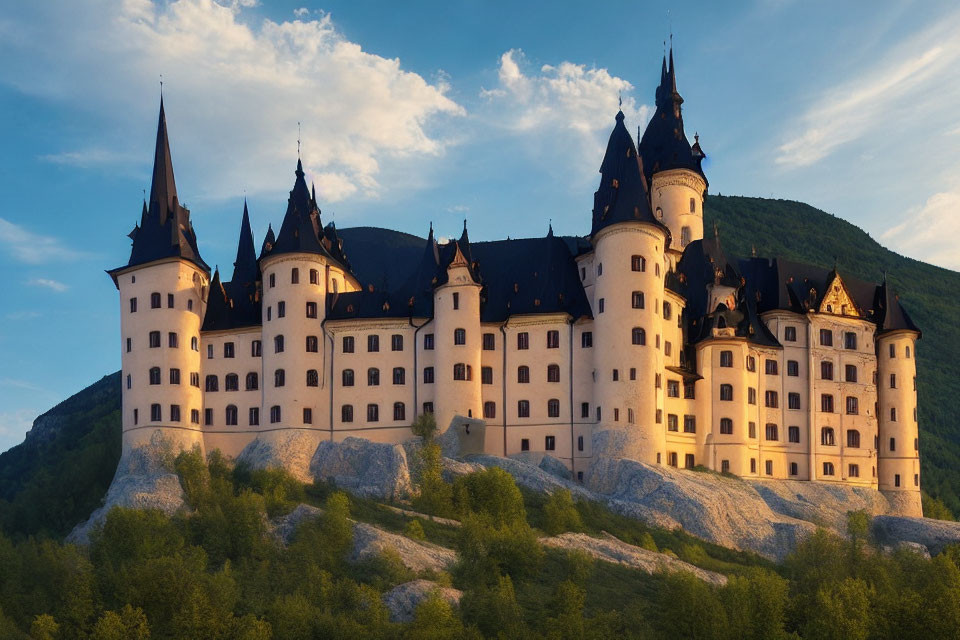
850, 340
174, 413
673, 388
689, 462
896, 480
826, 403
826, 338
550, 443
586, 339
600, 305
207, 417
771, 367
793, 368
273, 280
524, 444
853, 471
307, 415
348, 345
311, 309
428, 342
228, 351
255, 348
281, 309
314, 276
752, 429
489, 410
523, 409
428, 375
523, 340
584, 409
399, 375
790, 334
456, 300
553, 339
172, 340
373, 413
373, 343
724, 466
793, 468
893, 347
579, 443
893, 381
396, 342
673, 422
133, 305
295, 276
637, 300
154, 339
689, 390
174, 376
170, 306
726, 358
771, 400
689, 424
751, 395
254, 416
486, 375
826, 370
793, 434
633, 373
129, 345
769, 467
428, 407
489, 342
850, 373
793, 400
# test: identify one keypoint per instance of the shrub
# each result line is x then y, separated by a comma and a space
560, 514
414, 530
492, 492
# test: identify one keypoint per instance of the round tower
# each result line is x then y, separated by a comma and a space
677, 201
456, 309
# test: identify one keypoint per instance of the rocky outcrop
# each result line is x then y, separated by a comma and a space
818, 502
403, 599
611, 549
284, 527
531, 476
144, 480
370, 469
292, 450
934, 535
370, 541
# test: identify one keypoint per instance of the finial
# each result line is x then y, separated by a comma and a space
431, 226
298, 139
620, 98
696, 136
464, 224
161, 86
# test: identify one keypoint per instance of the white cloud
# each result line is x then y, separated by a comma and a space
59, 287
90, 158
235, 88
32, 248
301, 12
929, 232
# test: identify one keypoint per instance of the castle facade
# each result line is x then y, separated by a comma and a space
644, 332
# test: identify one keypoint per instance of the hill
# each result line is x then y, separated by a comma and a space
59, 474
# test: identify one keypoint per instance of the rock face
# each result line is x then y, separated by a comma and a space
285, 526
370, 541
403, 599
611, 549
144, 480
530, 476
369, 469
290, 450
932, 534
819, 503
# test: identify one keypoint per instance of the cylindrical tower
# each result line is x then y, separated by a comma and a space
456, 310
677, 201
898, 464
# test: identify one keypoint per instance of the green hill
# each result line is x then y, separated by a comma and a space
59, 474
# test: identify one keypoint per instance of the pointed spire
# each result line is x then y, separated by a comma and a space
464, 238
622, 195
245, 266
268, 241
550, 229
163, 190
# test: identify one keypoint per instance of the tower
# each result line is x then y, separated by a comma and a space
898, 453
671, 165
163, 292
456, 305
629, 247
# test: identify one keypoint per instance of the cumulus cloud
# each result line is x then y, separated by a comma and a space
32, 248
54, 285
235, 88
929, 231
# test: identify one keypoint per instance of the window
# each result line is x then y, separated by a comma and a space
154, 300
584, 409
586, 339
672, 458
231, 415
600, 305
307, 415
346, 413
828, 468
133, 305
771, 367
726, 358
853, 471
689, 461
231, 382
524, 444
312, 344
793, 368
273, 280
768, 467
724, 466
790, 334
252, 381
752, 429
827, 437
672, 422
155, 411
274, 414
689, 390
314, 276
399, 375
753, 465
174, 376
195, 379
826, 337
793, 468
279, 378
893, 381
550, 443
638, 336
553, 339
896, 480
486, 375
209, 352
489, 342
195, 416
772, 432
638, 263
459, 336
793, 400
456, 300
373, 377
173, 340
600, 269
598, 414
684, 238
853, 406
689, 424
255, 349
673, 388
155, 375
553, 408
348, 344
793, 434
583, 273
893, 414
853, 438
751, 363
826, 403
311, 309
751, 395
523, 340
129, 381
278, 344
489, 410
212, 384
269, 313
190, 308
850, 340
553, 373
129, 345
523, 374
281, 309
347, 377
637, 300
770, 399
523, 409
373, 413
373, 343
616, 375
826, 370
154, 339
850, 373
399, 411
428, 342
428, 375
726, 426
313, 378
726, 392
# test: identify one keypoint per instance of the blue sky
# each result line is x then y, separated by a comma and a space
412, 112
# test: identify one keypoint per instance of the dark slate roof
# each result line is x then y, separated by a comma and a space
245, 268
165, 230
622, 195
664, 144
891, 316
236, 304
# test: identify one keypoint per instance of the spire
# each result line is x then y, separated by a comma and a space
268, 241
163, 190
550, 229
245, 266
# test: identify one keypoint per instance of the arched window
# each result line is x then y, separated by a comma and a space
726, 426
155, 375
231, 415
459, 336
553, 373
828, 468
253, 381
278, 344
459, 371
853, 439
347, 377
827, 437
312, 344
721, 323
373, 377
399, 411
489, 410
346, 413
279, 378
373, 413
399, 375
638, 336
274, 414
726, 392
313, 378
638, 263
523, 374
212, 384
523, 408
231, 382
553, 408
154, 300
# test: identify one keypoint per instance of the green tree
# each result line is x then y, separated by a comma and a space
336, 527
129, 624
935, 508
494, 610
689, 608
560, 514
492, 492
44, 627
435, 495
842, 612
756, 605
434, 619
425, 426
414, 530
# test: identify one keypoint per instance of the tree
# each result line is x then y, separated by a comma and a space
689, 608
842, 612
494, 610
434, 620
560, 514
492, 492
44, 627
436, 495
129, 624
336, 527
425, 426
567, 620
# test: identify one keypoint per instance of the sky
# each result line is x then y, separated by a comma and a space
407, 113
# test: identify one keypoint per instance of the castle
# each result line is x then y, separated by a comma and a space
642, 339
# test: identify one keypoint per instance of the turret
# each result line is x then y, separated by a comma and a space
456, 308
628, 261
898, 465
672, 167
163, 292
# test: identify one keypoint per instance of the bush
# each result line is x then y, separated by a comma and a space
435, 494
492, 492
560, 514
414, 530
